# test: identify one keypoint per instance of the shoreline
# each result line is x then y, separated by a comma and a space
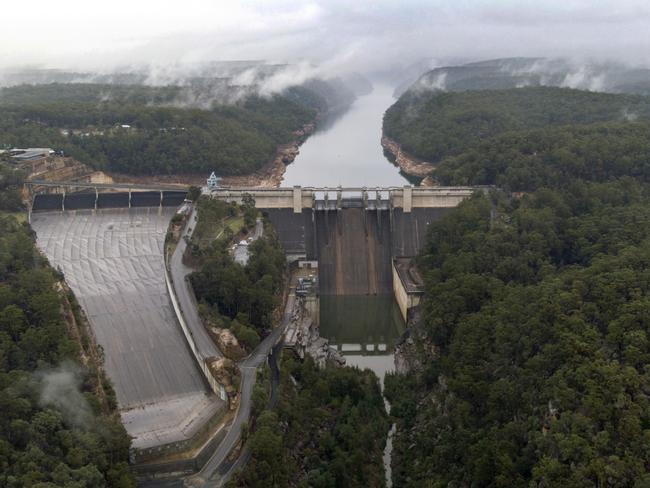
268, 176
271, 174
410, 165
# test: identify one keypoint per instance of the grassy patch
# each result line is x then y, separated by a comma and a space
19, 216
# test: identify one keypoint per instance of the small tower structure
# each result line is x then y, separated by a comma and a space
213, 182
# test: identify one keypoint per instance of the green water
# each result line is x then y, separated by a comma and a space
363, 328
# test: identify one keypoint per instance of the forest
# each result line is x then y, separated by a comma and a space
530, 365
59, 426
433, 125
328, 430
232, 296
10, 183
143, 130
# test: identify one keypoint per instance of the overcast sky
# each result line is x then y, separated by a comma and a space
340, 34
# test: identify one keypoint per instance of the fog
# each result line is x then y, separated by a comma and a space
60, 388
317, 37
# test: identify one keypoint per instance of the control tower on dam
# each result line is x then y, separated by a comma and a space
113, 261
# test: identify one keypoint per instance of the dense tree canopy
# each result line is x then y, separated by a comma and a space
328, 431
533, 348
55, 428
433, 124
242, 298
555, 157
170, 129
10, 183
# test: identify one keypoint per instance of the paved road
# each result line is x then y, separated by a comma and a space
228, 469
208, 476
185, 295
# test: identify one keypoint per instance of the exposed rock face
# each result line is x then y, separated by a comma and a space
57, 168
408, 353
225, 371
227, 343
407, 163
308, 340
429, 181
270, 176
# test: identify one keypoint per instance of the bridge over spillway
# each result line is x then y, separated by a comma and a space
71, 195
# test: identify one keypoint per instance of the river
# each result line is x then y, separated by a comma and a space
365, 329
345, 149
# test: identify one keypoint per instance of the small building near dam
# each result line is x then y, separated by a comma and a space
408, 285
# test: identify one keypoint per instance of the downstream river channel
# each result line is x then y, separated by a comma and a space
346, 150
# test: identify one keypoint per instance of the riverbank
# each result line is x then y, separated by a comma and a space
272, 173
409, 164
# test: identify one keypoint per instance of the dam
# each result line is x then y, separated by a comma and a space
353, 233
110, 248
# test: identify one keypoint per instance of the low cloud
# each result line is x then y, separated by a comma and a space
60, 388
366, 36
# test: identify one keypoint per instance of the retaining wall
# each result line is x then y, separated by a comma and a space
216, 387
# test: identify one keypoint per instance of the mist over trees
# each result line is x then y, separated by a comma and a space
147, 130
58, 425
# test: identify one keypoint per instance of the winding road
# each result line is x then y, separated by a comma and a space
185, 295
209, 475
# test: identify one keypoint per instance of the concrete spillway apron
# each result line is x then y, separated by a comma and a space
113, 261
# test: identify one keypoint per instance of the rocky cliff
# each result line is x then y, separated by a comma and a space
407, 163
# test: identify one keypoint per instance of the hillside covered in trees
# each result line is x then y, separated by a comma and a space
530, 363
506, 73
433, 125
328, 430
58, 425
238, 297
149, 130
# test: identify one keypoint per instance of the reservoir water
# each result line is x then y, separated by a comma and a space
346, 150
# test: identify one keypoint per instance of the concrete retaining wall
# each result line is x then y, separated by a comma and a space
401, 297
216, 387
179, 467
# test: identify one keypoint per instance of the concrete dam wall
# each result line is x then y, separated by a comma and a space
353, 251
354, 246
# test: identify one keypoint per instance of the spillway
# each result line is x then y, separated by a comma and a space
113, 261
354, 247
